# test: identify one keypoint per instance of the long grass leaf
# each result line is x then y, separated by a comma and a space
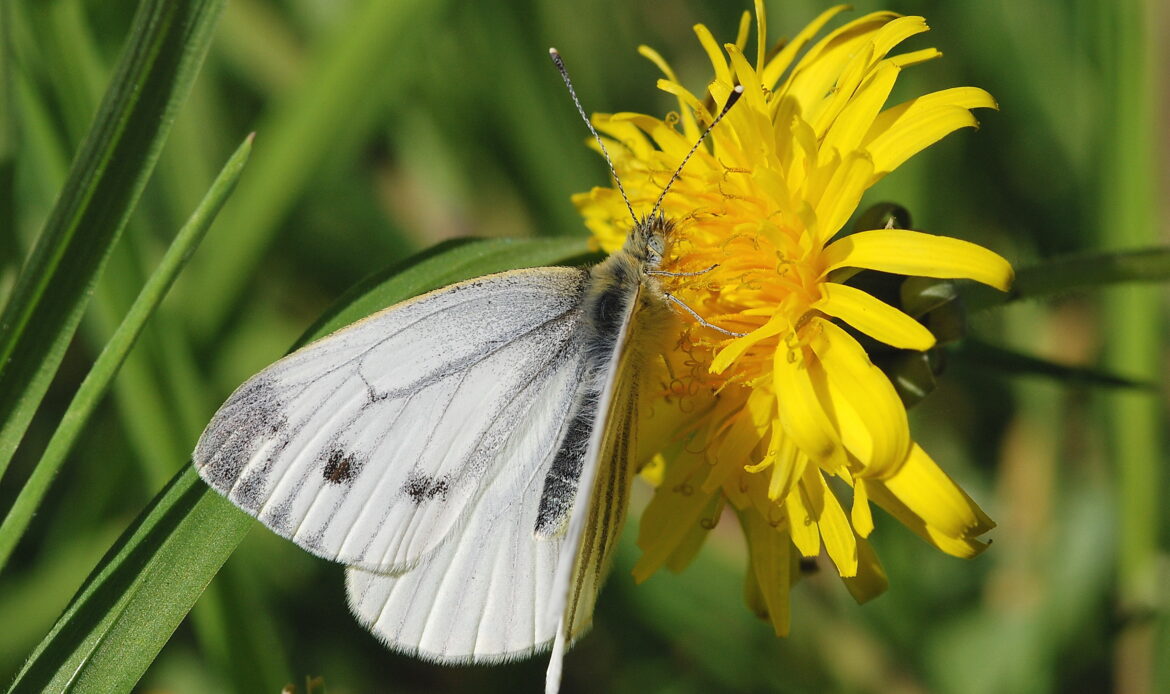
90, 393
165, 49
1076, 274
1010, 362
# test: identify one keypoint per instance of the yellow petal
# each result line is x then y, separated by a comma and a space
906, 252
870, 580
745, 26
841, 43
787, 466
873, 317
900, 132
669, 140
761, 35
653, 471
747, 428
685, 108
963, 97
824, 112
801, 408
770, 557
736, 446
915, 57
688, 547
655, 57
734, 349
858, 116
896, 31
711, 46
934, 497
865, 390
677, 507
815, 78
778, 65
746, 76
923, 498
842, 194
895, 146
626, 133
801, 523
836, 532
688, 102
861, 514
963, 547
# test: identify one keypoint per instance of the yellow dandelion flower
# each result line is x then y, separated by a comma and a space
766, 415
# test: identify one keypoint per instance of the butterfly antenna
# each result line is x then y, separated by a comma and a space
731, 99
560, 63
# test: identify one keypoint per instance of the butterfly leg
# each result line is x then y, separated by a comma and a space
702, 321
664, 273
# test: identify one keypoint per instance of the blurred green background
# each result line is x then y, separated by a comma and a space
384, 127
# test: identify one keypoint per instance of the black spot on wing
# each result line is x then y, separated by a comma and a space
420, 487
340, 467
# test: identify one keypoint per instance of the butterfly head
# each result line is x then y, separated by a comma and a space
646, 243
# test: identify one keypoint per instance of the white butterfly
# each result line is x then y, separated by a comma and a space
467, 454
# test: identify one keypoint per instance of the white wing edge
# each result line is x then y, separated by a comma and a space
442, 658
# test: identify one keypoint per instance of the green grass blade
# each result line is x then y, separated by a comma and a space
146, 584
166, 47
1131, 215
983, 355
94, 387
1077, 273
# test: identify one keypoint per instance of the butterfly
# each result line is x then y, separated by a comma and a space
467, 454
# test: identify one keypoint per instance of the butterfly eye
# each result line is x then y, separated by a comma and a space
656, 244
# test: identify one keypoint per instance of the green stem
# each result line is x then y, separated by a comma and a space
1135, 420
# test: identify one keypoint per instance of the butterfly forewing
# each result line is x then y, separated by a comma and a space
371, 444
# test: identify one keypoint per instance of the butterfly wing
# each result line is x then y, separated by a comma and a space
483, 596
371, 445
493, 592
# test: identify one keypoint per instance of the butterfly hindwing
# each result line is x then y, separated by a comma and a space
369, 446
483, 595
493, 592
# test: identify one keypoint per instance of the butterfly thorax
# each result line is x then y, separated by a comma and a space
615, 282
623, 311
